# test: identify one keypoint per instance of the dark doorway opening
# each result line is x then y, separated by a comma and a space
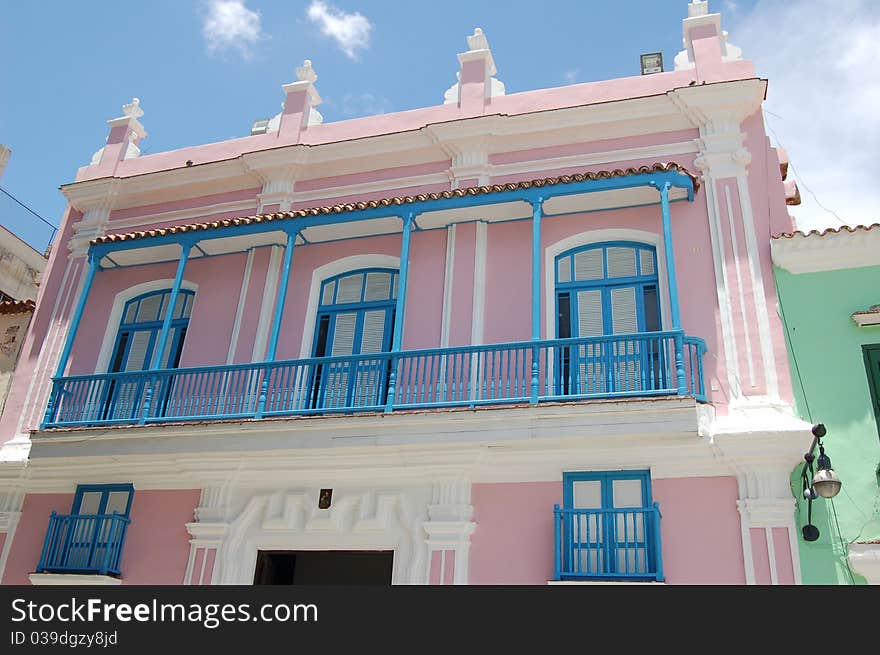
323, 567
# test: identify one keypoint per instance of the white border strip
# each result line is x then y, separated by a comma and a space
239, 312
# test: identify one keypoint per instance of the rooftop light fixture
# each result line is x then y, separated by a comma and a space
652, 62
260, 126
824, 483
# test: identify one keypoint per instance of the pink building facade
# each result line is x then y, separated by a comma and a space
509, 339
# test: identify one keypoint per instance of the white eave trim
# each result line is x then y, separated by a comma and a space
868, 318
864, 558
832, 251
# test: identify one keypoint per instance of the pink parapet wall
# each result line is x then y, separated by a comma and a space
156, 545
700, 530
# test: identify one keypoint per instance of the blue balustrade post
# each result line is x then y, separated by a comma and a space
537, 214
397, 340
47, 542
673, 289
162, 341
264, 392
282, 296
658, 554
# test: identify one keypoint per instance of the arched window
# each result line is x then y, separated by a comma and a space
609, 289
139, 329
355, 317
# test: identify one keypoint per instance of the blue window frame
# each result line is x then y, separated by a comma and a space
355, 317
609, 288
103, 499
609, 526
136, 339
141, 324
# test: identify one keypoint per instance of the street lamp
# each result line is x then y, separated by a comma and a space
824, 482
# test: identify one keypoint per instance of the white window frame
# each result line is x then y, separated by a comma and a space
591, 237
331, 269
110, 333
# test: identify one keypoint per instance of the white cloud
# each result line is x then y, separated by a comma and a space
819, 57
570, 76
350, 31
229, 25
364, 104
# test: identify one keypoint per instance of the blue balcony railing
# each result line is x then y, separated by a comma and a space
607, 544
83, 543
530, 371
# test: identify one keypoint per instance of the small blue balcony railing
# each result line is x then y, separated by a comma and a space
84, 543
567, 369
607, 544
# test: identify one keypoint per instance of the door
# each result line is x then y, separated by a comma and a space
605, 290
321, 567
356, 317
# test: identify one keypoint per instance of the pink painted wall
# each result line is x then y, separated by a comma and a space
156, 545
700, 528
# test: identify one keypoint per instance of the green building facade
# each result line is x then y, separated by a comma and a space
829, 300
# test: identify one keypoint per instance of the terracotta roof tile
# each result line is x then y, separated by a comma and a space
16, 306
399, 200
852, 229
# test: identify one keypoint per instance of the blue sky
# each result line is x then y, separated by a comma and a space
204, 70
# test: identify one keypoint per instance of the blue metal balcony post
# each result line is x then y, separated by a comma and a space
397, 338
673, 289
537, 214
282, 296
280, 300
161, 342
93, 260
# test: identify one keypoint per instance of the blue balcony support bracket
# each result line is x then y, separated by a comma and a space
537, 214
397, 338
282, 296
681, 384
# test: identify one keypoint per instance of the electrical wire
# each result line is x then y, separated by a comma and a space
840, 536
19, 202
798, 175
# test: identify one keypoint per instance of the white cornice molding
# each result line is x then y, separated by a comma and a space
496, 445
718, 110
662, 111
831, 251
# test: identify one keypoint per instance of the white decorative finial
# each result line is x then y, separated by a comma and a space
133, 109
306, 73
478, 40
698, 8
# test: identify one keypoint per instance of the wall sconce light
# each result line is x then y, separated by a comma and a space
824, 482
